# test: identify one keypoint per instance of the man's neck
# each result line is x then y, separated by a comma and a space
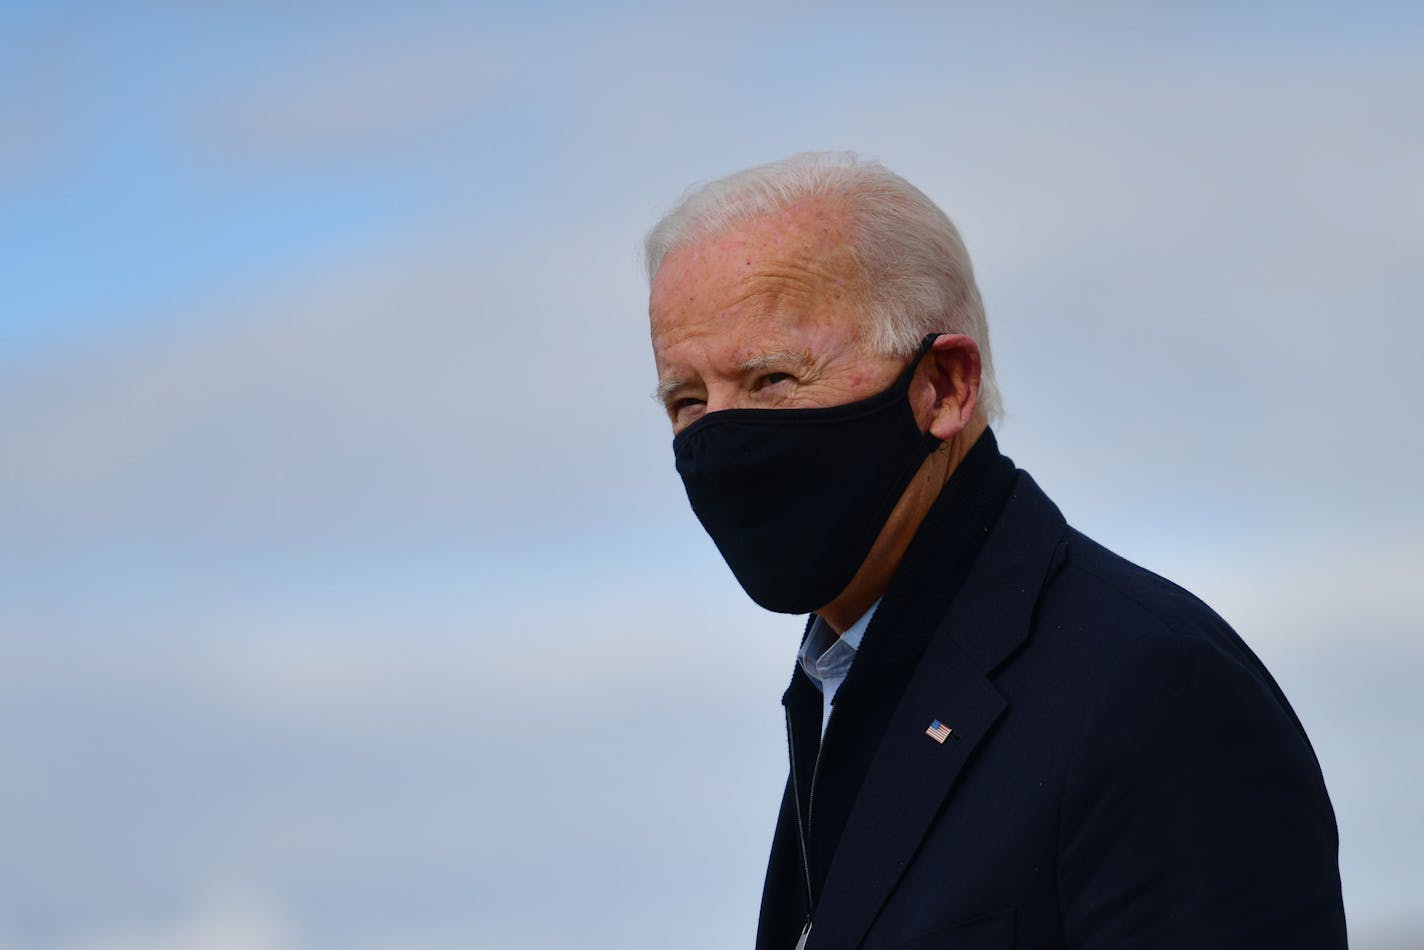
869, 583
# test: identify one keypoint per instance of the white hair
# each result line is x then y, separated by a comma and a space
917, 272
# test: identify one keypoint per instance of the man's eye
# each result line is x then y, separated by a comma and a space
771, 379
678, 406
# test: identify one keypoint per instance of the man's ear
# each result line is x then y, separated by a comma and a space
953, 366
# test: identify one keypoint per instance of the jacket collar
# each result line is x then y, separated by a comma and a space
911, 773
930, 573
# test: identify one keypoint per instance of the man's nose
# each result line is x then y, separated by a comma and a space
724, 397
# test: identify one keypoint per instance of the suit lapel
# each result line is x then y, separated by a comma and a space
907, 783
912, 774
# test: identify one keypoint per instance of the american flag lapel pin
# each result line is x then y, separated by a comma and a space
938, 731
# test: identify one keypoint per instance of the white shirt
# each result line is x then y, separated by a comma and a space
826, 658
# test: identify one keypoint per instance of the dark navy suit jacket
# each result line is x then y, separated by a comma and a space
1122, 772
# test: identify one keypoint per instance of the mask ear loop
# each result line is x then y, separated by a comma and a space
926, 345
930, 442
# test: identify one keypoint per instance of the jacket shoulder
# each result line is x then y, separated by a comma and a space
1193, 811
1114, 604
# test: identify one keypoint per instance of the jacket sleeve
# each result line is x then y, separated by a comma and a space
1194, 812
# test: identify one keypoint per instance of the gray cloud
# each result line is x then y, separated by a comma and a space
378, 90
423, 398
44, 73
409, 764
1189, 284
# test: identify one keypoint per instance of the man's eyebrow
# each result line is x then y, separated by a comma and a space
799, 359
665, 389
777, 358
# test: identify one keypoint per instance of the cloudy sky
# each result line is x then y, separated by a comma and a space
348, 598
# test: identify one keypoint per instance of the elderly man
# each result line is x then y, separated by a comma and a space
1000, 733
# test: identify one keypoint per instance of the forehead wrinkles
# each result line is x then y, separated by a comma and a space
796, 274
805, 277
795, 262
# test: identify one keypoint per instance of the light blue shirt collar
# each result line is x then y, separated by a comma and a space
826, 658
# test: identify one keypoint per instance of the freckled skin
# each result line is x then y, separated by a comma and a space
769, 315
780, 284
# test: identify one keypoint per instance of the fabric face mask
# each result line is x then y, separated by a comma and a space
795, 498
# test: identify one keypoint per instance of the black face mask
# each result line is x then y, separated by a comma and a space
795, 498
